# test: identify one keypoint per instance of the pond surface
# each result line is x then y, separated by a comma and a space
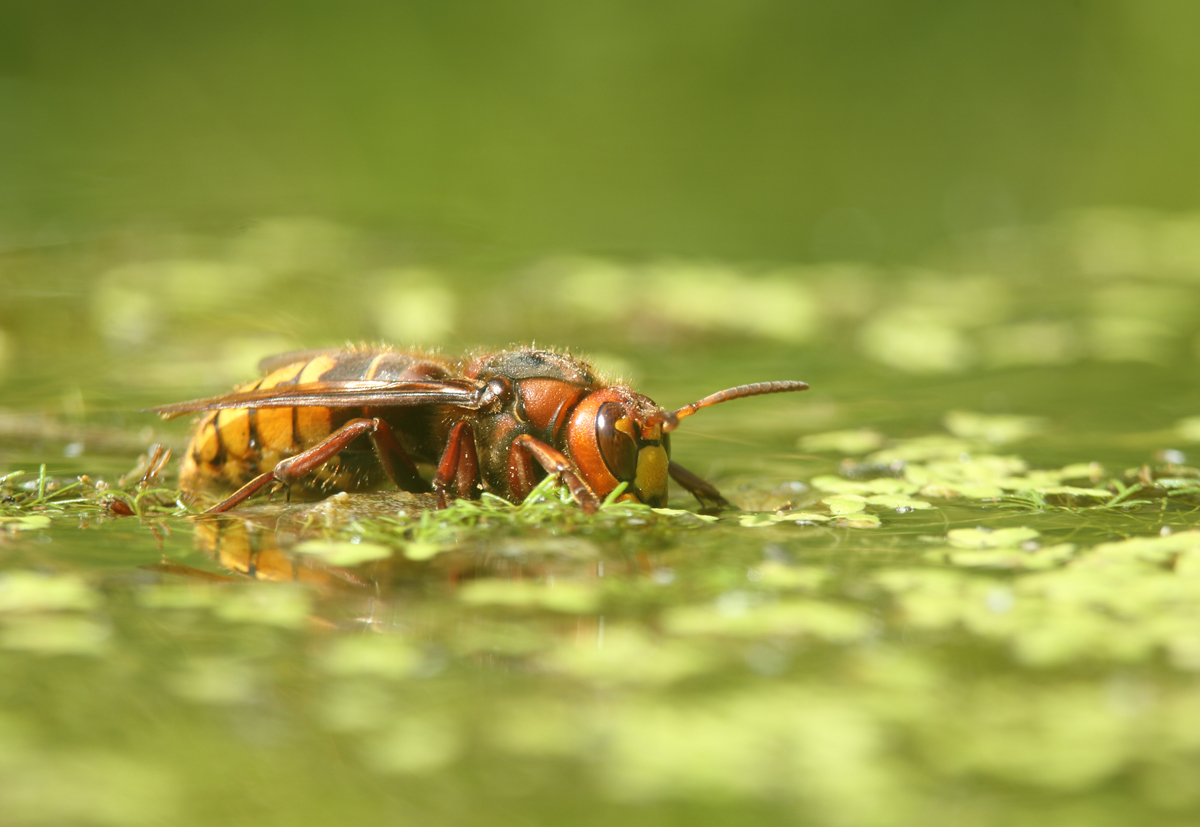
963, 584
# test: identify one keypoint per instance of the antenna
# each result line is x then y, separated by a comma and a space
671, 421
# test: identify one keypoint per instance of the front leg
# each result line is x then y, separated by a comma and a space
708, 495
555, 462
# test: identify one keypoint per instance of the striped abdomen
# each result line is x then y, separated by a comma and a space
232, 446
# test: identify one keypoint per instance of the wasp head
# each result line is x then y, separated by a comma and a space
616, 436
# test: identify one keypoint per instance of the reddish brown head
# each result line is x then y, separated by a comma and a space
615, 436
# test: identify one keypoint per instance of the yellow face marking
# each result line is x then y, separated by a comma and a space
651, 478
625, 426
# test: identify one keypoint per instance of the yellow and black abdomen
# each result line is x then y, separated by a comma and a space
230, 447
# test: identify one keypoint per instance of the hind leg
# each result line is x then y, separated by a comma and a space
295, 468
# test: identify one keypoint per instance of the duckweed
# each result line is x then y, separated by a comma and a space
959, 584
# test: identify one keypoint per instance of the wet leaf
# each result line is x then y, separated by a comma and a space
981, 537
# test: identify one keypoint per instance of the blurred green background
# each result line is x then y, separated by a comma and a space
799, 131
931, 188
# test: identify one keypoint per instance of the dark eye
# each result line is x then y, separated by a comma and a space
617, 447
666, 443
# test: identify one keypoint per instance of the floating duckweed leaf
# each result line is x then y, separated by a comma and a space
736, 618
1189, 428
1095, 608
385, 656
969, 491
28, 592
626, 655
931, 581
802, 517
880, 485
422, 551
1073, 491
859, 441
858, 521
996, 429
271, 604
980, 537
845, 504
572, 598
1150, 549
779, 517
1082, 470
899, 501
758, 520
416, 746
678, 512
216, 680
890, 485
1030, 481
55, 635
1187, 564
344, 553
1012, 558
824, 752
775, 575
178, 596
924, 448
1067, 637
986, 469
29, 522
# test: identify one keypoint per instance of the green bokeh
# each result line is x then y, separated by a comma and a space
792, 131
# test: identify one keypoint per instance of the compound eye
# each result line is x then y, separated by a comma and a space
666, 443
616, 446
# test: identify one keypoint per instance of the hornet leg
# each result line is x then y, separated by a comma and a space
555, 462
460, 465
702, 489
297, 467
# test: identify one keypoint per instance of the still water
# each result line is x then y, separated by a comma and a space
964, 584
